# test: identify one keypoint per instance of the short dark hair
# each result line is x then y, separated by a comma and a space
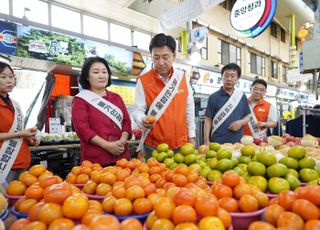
232, 66
259, 81
3, 65
161, 40
84, 75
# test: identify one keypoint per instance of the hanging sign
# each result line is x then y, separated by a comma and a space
288, 94
244, 85
119, 59
8, 38
137, 63
271, 90
251, 17
246, 14
45, 45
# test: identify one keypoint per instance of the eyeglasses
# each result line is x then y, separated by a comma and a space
257, 89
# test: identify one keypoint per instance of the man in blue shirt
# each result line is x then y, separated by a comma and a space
227, 110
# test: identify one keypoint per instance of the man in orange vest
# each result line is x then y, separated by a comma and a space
263, 113
164, 92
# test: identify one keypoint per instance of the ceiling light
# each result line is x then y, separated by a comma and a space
195, 55
114, 77
307, 25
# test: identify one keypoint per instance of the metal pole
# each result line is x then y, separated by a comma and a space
316, 83
279, 125
316, 27
303, 121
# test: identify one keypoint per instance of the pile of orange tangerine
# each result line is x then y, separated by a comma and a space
176, 199
296, 210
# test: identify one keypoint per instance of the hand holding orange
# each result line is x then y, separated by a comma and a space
150, 119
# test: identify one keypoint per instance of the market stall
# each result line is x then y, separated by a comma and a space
230, 185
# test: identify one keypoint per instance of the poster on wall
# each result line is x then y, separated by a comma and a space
138, 64
8, 38
45, 45
205, 81
271, 90
119, 59
209, 78
148, 61
125, 89
288, 94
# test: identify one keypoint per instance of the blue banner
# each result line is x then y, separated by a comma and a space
8, 38
46, 45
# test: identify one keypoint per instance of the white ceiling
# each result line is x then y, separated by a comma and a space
118, 10
143, 15
153, 9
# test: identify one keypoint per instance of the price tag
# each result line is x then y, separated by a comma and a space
44, 163
55, 126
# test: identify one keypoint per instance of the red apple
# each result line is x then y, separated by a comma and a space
257, 141
297, 140
289, 138
286, 135
290, 143
284, 140
262, 143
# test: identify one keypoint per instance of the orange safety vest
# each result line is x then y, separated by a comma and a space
171, 128
261, 111
6, 120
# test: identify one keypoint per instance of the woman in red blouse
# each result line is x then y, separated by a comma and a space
103, 139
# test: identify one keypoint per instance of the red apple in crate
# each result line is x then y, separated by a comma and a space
257, 141
291, 143
318, 139
291, 138
265, 139
288, 137
297, 140
262, 143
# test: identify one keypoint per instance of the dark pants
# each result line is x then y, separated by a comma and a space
14, 174
148, 151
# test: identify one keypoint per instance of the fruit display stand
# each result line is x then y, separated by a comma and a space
48, 202
4, 212
61, 157
304, 111
243, 220
217, 185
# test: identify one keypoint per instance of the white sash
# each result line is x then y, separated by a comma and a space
256, 133
110, 110
10, 148
162, 101
226, 110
